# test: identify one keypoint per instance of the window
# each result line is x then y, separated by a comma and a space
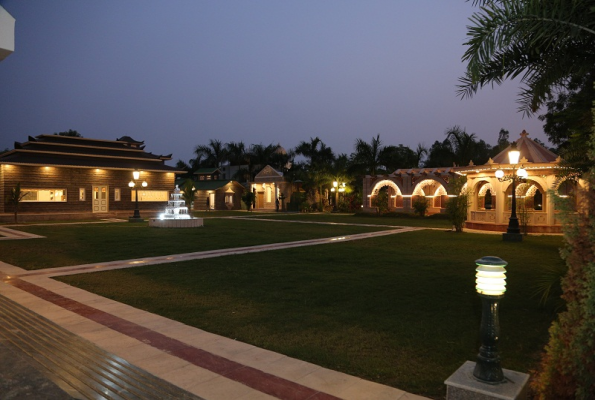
229, 199
44, 195
269, 194
150, 195
82, 194
116, 194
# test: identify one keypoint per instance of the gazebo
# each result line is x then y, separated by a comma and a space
490, 197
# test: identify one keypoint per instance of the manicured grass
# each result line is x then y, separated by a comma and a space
400, 310
361, 218
85, 243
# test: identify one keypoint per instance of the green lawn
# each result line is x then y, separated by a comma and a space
399, 310
85, 243
361, 218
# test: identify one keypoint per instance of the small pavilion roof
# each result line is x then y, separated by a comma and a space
530, 150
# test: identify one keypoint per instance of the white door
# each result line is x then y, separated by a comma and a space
212, 201
100, 199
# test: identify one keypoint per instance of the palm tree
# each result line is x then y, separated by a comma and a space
367, 155
214, 153
420, 152
462, 144
238, 155
317, 168
544, 42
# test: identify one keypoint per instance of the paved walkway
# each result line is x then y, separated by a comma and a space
197, 362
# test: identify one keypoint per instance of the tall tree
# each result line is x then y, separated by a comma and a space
463, 145
394, 157
316, 171
421, 151
214, 153
568, 121
367, 155
545, 43
239, 155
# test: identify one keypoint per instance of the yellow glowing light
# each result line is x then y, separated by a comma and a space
522, 173
514, 154
136, 174
131, 184
499, 174
491, 276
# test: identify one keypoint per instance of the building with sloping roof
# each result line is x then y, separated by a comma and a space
490, 197
215, 195
73, 176
270, 189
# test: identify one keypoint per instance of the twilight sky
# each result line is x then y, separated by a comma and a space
177, 73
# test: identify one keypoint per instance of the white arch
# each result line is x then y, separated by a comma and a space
484, 188
384, 183
419, 188
463, 189
440, 191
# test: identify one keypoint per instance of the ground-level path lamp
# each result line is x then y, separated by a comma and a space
134, 184
491, 285
513, 232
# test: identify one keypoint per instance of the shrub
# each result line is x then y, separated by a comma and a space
381, 201
420, 206
248, 199
456, 208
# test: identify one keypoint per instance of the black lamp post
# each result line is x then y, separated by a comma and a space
513, 232
337, 187
134, 184
491, 285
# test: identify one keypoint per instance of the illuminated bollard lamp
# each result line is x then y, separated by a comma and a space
485, 379
491, 285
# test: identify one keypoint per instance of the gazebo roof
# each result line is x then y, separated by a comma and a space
531, 151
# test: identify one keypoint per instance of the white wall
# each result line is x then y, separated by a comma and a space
6, 34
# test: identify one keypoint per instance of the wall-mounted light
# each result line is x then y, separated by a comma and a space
136, 174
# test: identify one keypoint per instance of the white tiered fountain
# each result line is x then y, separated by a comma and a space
176, 214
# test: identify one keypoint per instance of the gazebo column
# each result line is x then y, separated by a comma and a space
550, 204
500, 203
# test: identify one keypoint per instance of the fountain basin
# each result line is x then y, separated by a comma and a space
176, 223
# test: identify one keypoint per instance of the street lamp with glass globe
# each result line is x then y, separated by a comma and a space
134, 184
513, 232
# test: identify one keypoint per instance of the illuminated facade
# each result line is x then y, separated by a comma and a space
489, 207
71, 177
268, 186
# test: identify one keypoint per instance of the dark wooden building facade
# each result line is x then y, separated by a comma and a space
70, 175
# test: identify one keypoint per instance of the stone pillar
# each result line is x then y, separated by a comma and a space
550, 202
